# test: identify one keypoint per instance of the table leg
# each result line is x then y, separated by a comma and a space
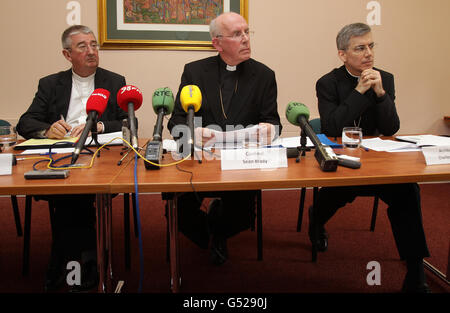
175, 279
101, 243
108, 239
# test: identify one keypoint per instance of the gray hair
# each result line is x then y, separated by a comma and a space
214, 28
349, 31
66, 39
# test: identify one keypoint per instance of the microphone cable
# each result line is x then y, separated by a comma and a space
138, 218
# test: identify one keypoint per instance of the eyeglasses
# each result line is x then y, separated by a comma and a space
239, 35
83, 47
362, 48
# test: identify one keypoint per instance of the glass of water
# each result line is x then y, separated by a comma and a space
8, 137
351, 137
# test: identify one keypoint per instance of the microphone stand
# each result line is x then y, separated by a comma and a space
94, 136
302, 148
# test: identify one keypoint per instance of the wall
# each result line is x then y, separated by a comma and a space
295, 38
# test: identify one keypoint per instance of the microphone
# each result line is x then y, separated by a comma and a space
191, 101
129, 99
162, 103
298, 114
95, 106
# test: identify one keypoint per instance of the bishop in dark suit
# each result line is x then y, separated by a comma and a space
357, 94
59, 107
237, 91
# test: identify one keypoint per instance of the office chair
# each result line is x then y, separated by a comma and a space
258, 203
315, 125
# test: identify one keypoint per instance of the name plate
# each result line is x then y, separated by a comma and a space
253, 158
6, 164
436, 155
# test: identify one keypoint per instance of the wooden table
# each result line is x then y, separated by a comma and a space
96, 180
106, 178
377, 168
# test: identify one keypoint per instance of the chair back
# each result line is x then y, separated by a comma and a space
4, 123
315, 125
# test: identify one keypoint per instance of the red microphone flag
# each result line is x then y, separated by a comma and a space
129, 94
98, 101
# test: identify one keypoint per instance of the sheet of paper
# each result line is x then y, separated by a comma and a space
170, 145
239, 135
426, 140
45, 142
432, 140
104, 138
45, 151
5, 163
378, 144
291, 142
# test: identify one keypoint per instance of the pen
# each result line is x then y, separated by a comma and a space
68, 132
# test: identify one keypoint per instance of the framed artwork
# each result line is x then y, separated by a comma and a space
161, 24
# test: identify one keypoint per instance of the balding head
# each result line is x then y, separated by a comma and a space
230, 36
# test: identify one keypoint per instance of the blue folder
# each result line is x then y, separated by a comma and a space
324, 140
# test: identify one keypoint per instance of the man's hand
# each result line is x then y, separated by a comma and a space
58, 130
77, 130
370, 78
266, 133
204, 137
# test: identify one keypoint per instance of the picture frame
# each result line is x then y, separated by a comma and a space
139, 28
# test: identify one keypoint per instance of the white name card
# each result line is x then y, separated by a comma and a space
253, 158
436, 155
5, 164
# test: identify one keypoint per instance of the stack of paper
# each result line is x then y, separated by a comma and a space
379, 144
426, 140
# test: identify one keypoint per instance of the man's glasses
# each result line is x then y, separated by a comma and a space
83, 47
362, 48
239, 35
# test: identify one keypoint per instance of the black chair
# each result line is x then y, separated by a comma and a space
315, 125
259, 244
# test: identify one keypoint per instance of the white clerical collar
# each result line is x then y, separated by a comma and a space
82, 79
352, 74
231, 68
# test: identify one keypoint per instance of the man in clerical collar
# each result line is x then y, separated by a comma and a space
58, 110
237, 92
357, 94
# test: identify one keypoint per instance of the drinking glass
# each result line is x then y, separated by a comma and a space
351, 137
8, 137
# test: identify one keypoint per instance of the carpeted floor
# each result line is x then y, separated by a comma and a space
286, 267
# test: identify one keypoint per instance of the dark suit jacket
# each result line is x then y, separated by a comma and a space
53, 96
255, 101
340, 105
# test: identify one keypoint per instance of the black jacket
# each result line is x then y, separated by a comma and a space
340, 105
53, 96
254, 102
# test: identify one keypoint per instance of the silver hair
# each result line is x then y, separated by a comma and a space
349, 31
214, 28
66, 39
